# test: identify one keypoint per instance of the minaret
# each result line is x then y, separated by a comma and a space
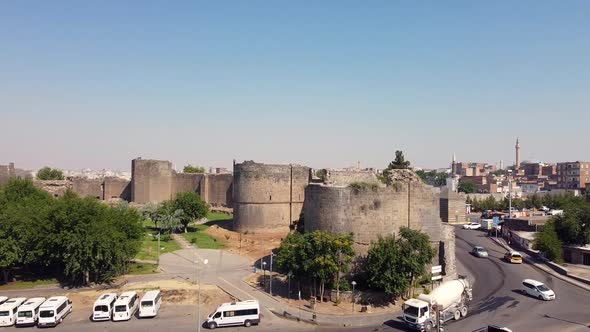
517, 147
454, 165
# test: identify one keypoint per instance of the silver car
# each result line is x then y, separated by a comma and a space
479, 252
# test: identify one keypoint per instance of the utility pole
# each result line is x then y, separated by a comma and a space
159, 231
270, 285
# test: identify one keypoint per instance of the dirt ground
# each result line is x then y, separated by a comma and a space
343, 308
253, 245
173, 293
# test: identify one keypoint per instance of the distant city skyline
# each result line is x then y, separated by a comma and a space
328, 84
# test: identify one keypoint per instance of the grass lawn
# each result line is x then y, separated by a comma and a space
196, 233
142, 268
149, 247
21, 284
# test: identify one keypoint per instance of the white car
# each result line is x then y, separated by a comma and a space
537, 289
472, 225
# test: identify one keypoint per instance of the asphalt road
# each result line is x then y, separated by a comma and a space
497, 299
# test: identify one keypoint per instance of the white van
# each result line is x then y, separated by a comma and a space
8, 311
28, 312
150, 304
126, 306
235, 313
54, 310
536, 289
3, 299
103, 307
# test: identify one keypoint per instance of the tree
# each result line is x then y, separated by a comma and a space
573, 227
192, 205
399, 162
384, 269
172, 221
416, 252
467, 187
433, 178
548, 242
48, 173
322, 174
193, 169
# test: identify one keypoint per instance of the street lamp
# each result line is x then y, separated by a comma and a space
264, 275
205, 261
353, 284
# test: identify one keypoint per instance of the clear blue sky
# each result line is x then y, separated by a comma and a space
321, 83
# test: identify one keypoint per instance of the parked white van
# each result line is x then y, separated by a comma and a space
150, 304
54, 310
28, 312
3, 299
235, 313
103, 307
126, 306
8, 311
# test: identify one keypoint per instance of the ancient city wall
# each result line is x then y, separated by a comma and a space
372, 211
87, 187
151, 181
452, 207
446, 252
6, 172
185, 182
218, 189
268, 196
116, 188
342, 178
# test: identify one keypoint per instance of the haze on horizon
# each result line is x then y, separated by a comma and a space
94, 85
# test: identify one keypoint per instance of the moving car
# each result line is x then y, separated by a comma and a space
537, 289
479, 252
513, 257
472, 225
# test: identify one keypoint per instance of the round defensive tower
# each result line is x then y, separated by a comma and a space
268, 197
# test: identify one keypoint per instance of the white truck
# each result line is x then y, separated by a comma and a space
451, 298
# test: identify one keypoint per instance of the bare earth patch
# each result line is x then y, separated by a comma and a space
252, 245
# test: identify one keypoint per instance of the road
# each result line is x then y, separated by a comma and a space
496, 298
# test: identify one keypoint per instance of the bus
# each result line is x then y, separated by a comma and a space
54, 310
28, 312
125, 306
244, 313
103, 307
150, 304
8, 311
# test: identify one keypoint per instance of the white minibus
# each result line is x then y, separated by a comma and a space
3, 299
103, 307
235, 313
126, 306
54, 310
150, 304
28, 312
8, 311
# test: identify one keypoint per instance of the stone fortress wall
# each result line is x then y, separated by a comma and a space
268, 196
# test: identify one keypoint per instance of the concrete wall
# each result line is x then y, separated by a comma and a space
116, 188
368, 213
151, 181
268, 196
87, 187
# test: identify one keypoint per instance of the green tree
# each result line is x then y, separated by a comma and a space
192, 205
172, 221
384, 269
193, 169
9, 255
416, 253
548, 242
48, 173
467, 187
573, 227
322, 174
399, 162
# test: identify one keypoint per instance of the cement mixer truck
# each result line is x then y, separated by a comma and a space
451, 298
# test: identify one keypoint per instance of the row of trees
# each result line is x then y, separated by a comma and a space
571, 228
318, 260
48, 173
534, 201
76, 239
170, 216
433, 178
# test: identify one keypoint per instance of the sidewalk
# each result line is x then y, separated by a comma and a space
545, 267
